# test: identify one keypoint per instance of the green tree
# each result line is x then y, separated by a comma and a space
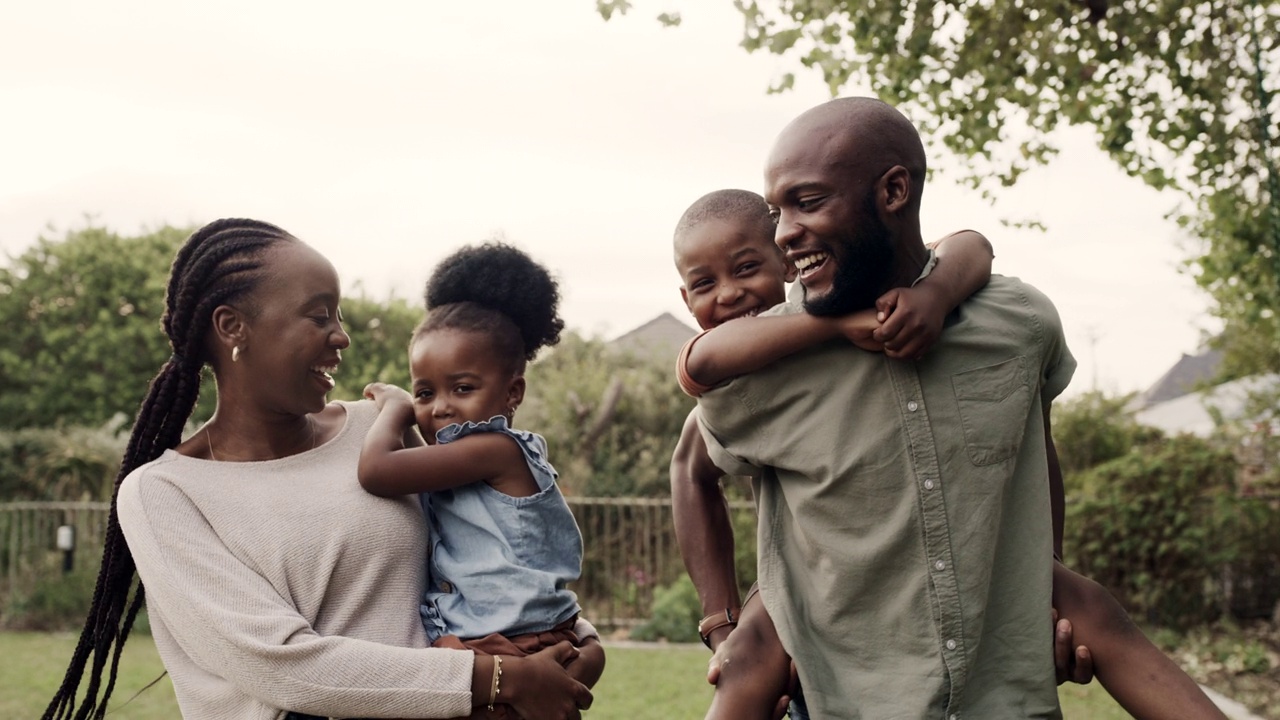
380, 332
1181, 94
81, 316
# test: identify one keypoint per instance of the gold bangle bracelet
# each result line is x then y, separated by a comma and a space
497, 677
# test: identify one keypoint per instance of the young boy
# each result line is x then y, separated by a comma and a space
731, 269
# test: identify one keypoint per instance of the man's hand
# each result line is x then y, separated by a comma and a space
911, 321
1073, 664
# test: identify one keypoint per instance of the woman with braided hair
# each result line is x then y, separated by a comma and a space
275, 585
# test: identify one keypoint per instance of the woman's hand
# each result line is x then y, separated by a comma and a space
539, 688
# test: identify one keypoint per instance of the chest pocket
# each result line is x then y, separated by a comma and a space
994, 401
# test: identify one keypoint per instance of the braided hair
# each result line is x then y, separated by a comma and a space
219, 264
499, 291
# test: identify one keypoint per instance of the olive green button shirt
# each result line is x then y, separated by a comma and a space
905, 537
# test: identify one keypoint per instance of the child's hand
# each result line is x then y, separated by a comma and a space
859, 328
1073, 664
588, 666
911, 321
382, 393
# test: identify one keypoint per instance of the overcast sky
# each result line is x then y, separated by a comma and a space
387, 134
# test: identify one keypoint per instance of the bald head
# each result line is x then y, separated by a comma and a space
858, 137
844, 182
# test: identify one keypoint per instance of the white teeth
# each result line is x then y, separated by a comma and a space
807, 261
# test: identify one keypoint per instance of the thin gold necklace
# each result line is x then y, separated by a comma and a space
208, 438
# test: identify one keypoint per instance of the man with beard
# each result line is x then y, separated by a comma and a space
905, 530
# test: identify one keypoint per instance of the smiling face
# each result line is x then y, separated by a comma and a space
729, 269
457, 377
829, 225
293, 335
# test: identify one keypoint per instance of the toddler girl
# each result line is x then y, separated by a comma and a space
504, 544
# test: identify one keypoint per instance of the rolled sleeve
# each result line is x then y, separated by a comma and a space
724, 459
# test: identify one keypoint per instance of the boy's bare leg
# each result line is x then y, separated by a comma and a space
1135, 672
755, 671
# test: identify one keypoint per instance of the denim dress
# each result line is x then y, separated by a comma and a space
500, 564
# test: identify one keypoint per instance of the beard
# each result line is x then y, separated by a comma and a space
863, 263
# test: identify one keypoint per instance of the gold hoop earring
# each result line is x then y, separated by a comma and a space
235, 354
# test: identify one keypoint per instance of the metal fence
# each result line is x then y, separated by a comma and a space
629, 548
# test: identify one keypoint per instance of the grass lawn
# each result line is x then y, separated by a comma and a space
639, 683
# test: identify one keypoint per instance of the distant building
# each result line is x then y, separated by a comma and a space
1185, 401
1190, 373
661, 338
1187, 398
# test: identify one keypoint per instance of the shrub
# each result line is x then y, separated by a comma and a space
1093, 428
611, 419
48, 599
1153, 530
62, 463
676, 612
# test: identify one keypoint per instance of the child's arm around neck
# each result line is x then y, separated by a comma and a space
913, 317
906, 322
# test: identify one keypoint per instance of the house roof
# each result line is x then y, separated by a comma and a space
1199, 413
661, 337
1190, 373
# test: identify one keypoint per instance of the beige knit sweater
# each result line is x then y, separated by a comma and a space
282, 585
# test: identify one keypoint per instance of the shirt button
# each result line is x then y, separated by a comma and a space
446, 587
951, 644
940, 565
953, 716
928, 484
913, 406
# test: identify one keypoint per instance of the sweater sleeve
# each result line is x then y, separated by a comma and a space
233, 624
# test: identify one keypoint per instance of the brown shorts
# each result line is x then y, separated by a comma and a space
518, 646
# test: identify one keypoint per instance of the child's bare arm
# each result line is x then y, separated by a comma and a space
751, 670
912, 320
389, 468
703, 528
589, 665
747, 344
1137, 674
912, 317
